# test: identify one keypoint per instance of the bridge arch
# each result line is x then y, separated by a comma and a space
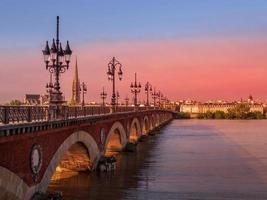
161, 117
153, 121
158, 119
146, 125
11, 185
135, 130
116, 138
77, 137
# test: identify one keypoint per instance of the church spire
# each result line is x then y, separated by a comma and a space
76, 86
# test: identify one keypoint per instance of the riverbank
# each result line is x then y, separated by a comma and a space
222, 115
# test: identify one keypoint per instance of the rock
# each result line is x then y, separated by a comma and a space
44, 196
152, 133
106, 164
130, 147
142, 138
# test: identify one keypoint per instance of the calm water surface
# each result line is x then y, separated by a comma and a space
189, 159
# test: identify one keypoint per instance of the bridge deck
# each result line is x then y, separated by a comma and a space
21, 127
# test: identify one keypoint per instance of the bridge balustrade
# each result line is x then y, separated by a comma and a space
19, 114
24, 114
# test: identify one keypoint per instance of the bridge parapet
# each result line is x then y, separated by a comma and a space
28, 114
29, 119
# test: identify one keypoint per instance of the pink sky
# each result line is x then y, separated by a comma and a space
201, 69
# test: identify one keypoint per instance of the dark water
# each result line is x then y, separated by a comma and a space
192, 159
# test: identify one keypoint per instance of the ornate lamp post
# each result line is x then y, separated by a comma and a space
154, 97
163, 99
135, 89
126, 101
117, 97
160, 96
57, 61
83, 89
103, 96
148, 89
49, 86
114, 65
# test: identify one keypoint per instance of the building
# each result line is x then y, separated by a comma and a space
189, 108
76, 88
213, 106
36, 99
32, 99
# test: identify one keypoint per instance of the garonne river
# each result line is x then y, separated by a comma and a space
187, 159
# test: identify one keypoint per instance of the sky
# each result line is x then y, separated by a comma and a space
203, 50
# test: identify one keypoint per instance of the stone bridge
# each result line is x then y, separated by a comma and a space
32, 151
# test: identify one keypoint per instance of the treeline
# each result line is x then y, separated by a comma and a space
241, 111
182, 115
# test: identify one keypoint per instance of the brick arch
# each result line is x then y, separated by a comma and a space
123, 137
80, 136
153, 121
157, 120
161, 117
11, 185
135, 122
146, 125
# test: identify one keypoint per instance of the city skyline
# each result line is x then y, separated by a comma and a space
208, 50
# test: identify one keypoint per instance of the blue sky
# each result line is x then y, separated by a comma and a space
28, 23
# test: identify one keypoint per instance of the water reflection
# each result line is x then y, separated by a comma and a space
188, 160
112, 185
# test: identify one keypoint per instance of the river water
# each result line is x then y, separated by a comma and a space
188, 159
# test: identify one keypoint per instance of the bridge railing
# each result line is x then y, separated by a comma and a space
20, 114
79, 111
26, 114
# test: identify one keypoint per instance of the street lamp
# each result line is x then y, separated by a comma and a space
114, 65
154, 96
126, 101
135, 89
117, 97
103, 96
57, 61
49, 86
83, 89
160, 96
163, 99
148, 89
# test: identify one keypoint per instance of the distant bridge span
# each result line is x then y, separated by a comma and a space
31, 152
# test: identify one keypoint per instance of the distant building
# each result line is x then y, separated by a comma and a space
189, 108
36, 99
213, 106
76, 90
32, 99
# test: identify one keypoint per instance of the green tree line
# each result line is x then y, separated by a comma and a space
241, 111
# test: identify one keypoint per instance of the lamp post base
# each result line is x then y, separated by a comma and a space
56, 108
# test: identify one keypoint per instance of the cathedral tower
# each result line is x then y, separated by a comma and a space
76, 86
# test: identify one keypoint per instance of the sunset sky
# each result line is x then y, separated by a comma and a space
198, 49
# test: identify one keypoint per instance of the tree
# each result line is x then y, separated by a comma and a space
255, 115
209, 115
230, 114
15, 102
242, 110
219, 114
201, 115
183, 115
